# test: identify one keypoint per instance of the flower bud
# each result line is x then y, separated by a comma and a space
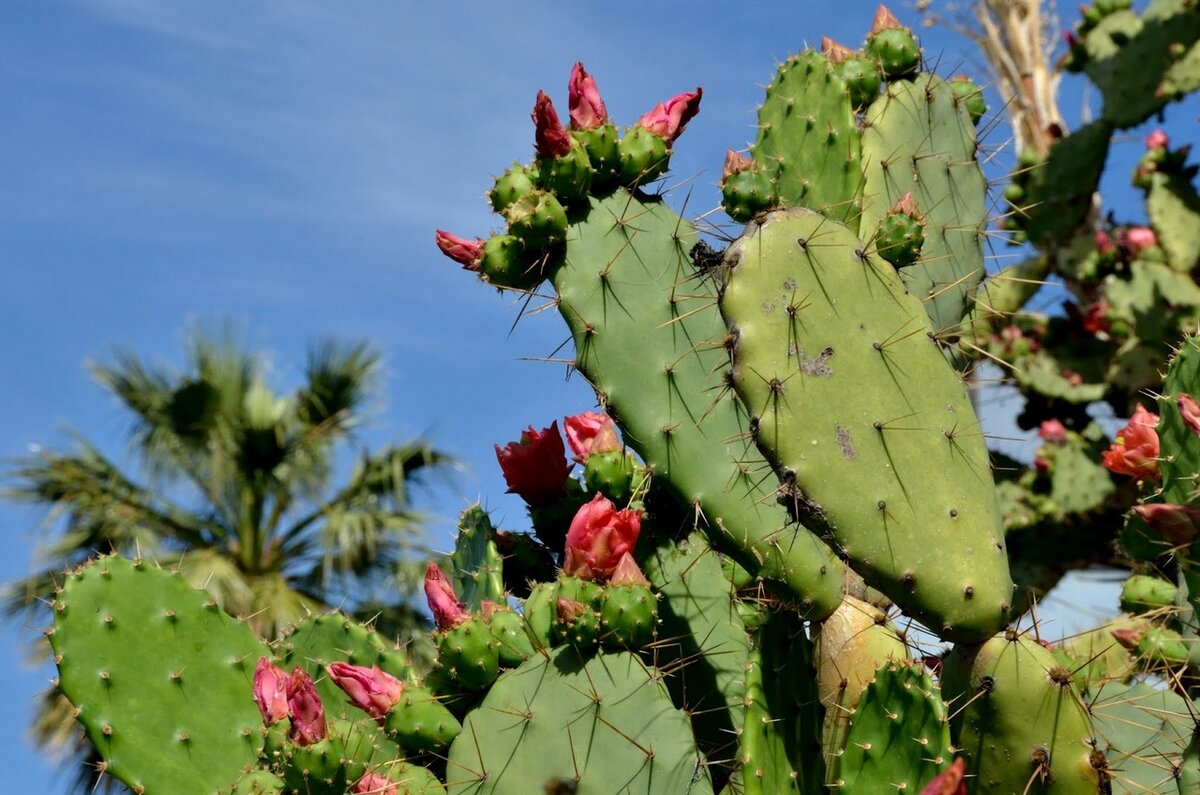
599, 535
467, 253
535, 467
591, 432
550, 139
270, 691
583, 100
305, 710
668, 119
373, 691
447, 611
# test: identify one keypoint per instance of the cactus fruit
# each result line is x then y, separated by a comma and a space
510, 186
1143, 593
899, 237
893, 46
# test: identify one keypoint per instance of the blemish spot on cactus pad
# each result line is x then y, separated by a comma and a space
845, 443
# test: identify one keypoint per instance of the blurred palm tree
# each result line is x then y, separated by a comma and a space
238, 490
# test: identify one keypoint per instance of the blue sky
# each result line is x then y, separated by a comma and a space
285, 166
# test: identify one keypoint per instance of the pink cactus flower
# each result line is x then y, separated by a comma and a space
270, 691
373, 691
599, 535
668, 119
951, 781
1176, 523
304, 707
374, 784
735, 163
1157, 140
467, 253
1136, 238
1104, 243
1135, 451
550, 138
583, 99
627, 572
1189, 409
447, 611
1095, 320
591, 432
1052, 431
535, 467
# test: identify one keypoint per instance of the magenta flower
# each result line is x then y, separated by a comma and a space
599, 535
1157, 140
1176, 523
550, 139
591, 432
374, 784
447, 611
668, 119
1052, 431
1136, 238
270, 691
304, 707
535, 467
373, 691
1189, 409
467, 253
583, 100
951, 781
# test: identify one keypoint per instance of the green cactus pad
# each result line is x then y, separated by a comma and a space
808, 142
919, 138
899, 736
477, 567
257, 782
869, 429
162, 679
604, 726
1174, 211
648, 337
1143, 732
1016, 719
1059, 189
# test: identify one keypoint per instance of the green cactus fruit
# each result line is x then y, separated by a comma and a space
899, 735
861, 76
257, 782
1160, 646
537, 220
645, 156
160, 677
576, 624
614, 474
468, 653
1142, 732
506, 263
1018, 722
1187, 777
539, 613
604, 151
835, 362
1095, 656
419, 722
410, 779
316, 768
477, 570
896, 50
628, 616
970, 95
900, 236
1144, 593
510, 187
569, 176
513, 646
747, 193
564, 724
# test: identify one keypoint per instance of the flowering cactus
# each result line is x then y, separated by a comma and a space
598, 538
535, 467
1135, 450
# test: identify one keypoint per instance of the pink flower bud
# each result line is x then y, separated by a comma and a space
583, 99
906, 204
668, 119
550, 139
1104, 244
1136, 238
467, 253
1052, 431
591, 432
836, 53
1176, 523
305, 710
1128, 637
884, 20
535, 467
569, 611
735, 163
1157, 140
628, 572
951, 781
374, 784
1189, 409
447, 611
599, 535
270, 691
373, 691
1135, 451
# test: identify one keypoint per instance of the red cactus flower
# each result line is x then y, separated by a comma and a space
270, 691
583, 100
951, 781
1176, 523
304, 707
447, 611
373, 691
735, 163
1041, 464
1136, 238
550, 139
1052, 431
591, 432
535, 467
668, 119
1157, 140
627, 572
1189, 410
599, 535
374, 784
1135, 451
467, 253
